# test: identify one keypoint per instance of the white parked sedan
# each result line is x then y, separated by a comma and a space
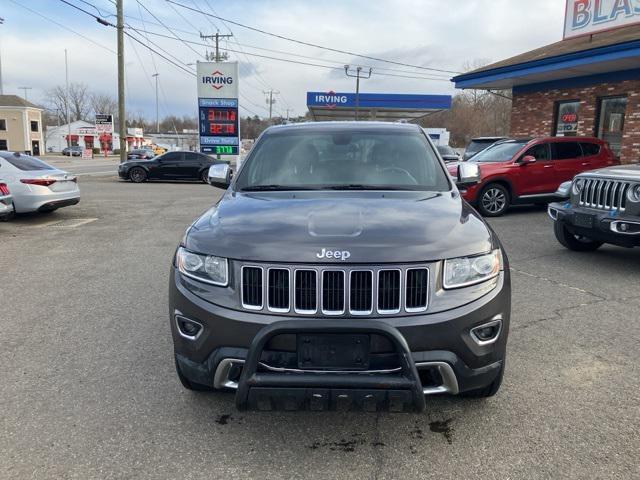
36, 185
6, 201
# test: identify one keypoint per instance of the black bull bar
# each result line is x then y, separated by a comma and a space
399, 391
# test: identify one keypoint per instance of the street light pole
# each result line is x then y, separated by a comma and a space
1, 89
25, 91
357, 77
156, 75
66, 100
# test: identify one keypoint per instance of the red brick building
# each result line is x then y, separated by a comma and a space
585, 86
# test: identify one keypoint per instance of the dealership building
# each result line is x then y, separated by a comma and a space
585, 85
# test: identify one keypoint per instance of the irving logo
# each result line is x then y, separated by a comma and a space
217, 80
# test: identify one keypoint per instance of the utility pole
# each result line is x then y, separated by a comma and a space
66, 101
271, 100
156, 75
1, 90
217, 38
122, 130
25, 91
358, 76
288, 110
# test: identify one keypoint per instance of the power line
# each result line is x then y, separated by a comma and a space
308, 44
165, 26
300, 62
63, 26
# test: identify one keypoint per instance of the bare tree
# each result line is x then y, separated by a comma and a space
103, 103
78, 100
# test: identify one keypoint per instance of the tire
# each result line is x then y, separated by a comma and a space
138, 175
494, 200
204, 176
188, 384
577, 243
488, 391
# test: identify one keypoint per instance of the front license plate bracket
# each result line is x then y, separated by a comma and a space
331, 351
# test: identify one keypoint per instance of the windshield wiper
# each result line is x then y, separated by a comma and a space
358, 186
274, 188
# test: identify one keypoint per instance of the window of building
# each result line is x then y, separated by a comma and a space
3, 124
567, 118
611, 121
3, 145
34, 126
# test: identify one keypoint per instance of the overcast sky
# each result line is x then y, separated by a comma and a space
443, 34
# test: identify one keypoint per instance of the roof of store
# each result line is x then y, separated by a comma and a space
15, 101
582, 57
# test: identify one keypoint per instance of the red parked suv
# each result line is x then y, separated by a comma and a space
530, 171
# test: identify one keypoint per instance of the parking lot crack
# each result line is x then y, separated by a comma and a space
559, 284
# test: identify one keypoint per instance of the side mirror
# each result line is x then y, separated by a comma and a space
219, 175
528, 159
468, 174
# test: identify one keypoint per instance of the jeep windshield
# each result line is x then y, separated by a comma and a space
342, 159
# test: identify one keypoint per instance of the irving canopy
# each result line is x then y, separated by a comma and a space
374, 106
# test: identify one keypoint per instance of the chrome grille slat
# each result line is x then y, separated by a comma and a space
278, 290
252, 287
389, 291
306, 288
361, 292
333, 292
604, 194
416, 289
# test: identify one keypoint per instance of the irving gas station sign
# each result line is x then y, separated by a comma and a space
585, 17
218, 118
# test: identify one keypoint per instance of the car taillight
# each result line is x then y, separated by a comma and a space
45, 182
4, 190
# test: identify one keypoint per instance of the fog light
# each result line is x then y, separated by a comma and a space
624, 227
487, 333
188, 328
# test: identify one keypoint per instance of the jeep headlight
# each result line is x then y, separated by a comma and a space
465, 271
206, 268
634, 193
578, 185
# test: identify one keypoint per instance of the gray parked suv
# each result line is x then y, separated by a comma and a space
603, 207
340, 270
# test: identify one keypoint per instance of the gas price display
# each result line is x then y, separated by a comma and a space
219, 121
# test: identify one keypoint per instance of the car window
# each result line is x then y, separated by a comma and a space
191, 156
478, 145
566, 150
589, 149
446, 150
172, 157
499, 152
539, 152
312, 159
26, 163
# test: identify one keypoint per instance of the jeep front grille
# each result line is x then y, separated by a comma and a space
604, 194
332, 291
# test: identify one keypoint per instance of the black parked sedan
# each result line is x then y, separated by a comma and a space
169, 166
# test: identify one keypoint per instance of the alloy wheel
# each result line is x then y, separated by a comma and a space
494, 200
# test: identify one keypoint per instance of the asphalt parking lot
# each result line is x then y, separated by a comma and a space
89, 390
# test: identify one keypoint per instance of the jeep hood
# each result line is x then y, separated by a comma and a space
374, 227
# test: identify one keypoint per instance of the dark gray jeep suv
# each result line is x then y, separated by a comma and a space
341, 270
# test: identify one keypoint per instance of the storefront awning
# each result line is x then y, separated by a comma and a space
606, 56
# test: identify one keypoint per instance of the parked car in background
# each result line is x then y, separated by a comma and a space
604, 207
6, 202
476, 145
36, 185
531, 170
448, 154
73, 151
141, 153
170, 166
